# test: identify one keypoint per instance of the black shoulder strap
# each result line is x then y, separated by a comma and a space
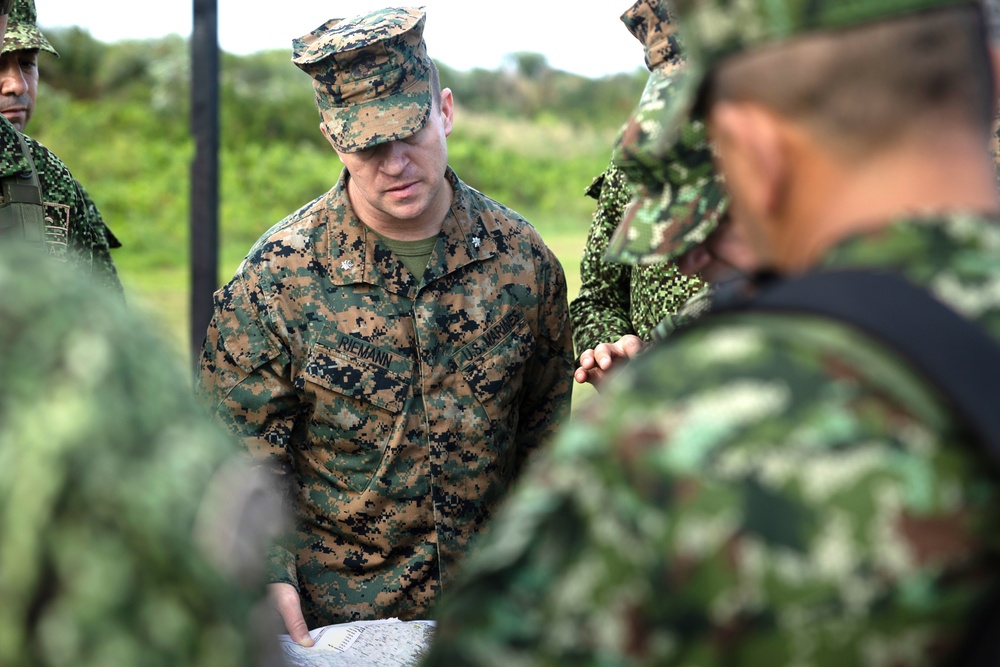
953, 353
21, 213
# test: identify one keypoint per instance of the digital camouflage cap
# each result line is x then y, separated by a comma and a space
716, 29
22, 30
371, 74
679, 198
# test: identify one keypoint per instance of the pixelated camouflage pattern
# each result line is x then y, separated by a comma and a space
679, 197
371, 75
693, 309
105, 462
74, 230
762, 490
653, 23
397, 410
617, 299
22, 31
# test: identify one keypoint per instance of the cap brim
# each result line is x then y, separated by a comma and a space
364, 125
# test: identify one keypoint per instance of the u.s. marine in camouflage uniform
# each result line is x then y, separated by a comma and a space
615, 299
397, 396
18, 91
130, 530
779, 488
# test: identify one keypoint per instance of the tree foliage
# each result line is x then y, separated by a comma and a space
118, 114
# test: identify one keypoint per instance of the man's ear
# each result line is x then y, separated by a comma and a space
752, 154
326, 133
447, 110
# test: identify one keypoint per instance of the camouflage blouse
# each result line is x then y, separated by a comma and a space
74, 229
618, 299
398, 409
762, 489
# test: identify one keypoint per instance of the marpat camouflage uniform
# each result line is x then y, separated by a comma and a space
617, 299
398, 409
764, 490
72, 232
107, 466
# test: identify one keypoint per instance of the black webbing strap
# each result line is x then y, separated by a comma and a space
951, 352
21, 214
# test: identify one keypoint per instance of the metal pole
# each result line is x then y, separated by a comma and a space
205, 168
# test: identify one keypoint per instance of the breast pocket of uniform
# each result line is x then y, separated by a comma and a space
357, 411
493, 364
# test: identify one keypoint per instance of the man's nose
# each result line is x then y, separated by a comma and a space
12, 81
394, 157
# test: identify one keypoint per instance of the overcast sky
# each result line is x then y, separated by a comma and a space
582, 36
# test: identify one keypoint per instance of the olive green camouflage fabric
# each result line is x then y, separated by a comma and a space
617, 299
74, 231
716, 29
679, 197
653, 23
371, 74
764, 489
693, 309
108, 470
398, 410
22, 31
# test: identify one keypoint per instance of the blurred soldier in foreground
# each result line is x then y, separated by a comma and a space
130, 530
619, 306
32, 180
395, 350
779, 488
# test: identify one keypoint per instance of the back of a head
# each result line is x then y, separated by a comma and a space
867, 87
107, 466
859, 73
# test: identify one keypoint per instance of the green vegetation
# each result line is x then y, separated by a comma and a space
118, 114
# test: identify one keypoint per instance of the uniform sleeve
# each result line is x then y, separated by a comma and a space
244, 378
99, 240
549, 381
600, 313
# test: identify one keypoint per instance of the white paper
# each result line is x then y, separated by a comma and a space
383, 643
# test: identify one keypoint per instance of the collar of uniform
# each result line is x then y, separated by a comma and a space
467, 232
357, 257
12, 161
919, 242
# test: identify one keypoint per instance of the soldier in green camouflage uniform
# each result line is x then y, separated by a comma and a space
397, 390
617, 300
73, 224
126, 515
778, 489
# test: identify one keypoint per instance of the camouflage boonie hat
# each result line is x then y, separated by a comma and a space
371, 75
653, 23
22, 32
679, 198
716, 29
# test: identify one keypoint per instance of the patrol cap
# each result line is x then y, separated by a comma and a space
716, 29
679, 199
371, 74
653, 23
22, 30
